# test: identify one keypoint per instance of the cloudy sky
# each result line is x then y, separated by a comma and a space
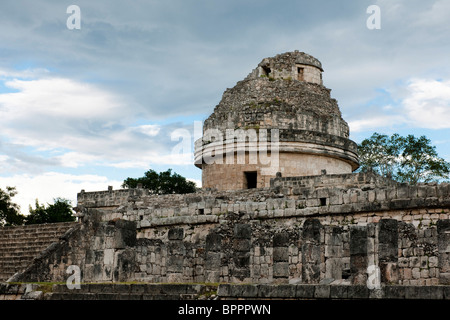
87, 108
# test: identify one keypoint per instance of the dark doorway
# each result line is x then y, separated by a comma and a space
250, 179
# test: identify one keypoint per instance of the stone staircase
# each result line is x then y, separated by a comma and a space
20, 245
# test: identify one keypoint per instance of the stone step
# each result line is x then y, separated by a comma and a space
119, 296
137, 288
14, 267
36, 229
29, 244
33, 243
16, 260
30, 247
138, 291
20, 245
19, 255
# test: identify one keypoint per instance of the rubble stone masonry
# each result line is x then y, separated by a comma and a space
304, 230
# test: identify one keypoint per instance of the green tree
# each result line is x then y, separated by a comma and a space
59, 211
404, 159
161, 183
9, 212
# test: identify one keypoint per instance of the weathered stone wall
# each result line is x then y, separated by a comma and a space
104, 251
305, 230
286, 66
227, 176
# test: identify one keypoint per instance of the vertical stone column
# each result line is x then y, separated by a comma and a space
124, 236
333, 253
311, 251
213, 257
241, 254
281, 257
176, 252
443, 229
358, 255
388, 250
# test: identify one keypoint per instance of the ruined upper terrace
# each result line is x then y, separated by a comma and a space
325, 195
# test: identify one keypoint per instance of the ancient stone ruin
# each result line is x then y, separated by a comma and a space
283, 99
289, 218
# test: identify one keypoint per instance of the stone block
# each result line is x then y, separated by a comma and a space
241, 259
333, 267
176, 234
121, 288
444, 278
322, 291
281, 269
281, 239
394, 292
358, 240
311, 253
213, 242
224, 290
284, 291
380, 195
403, 192
436, 292
108, 256
339, 291
305, 291
420, 292
242, 245
265, 291
107, 296
175, 263
312, 230
446, 292
280, 254
243, 231
358, 292
212, 260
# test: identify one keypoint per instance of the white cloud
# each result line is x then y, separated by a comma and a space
149, 129
76, 159
374, 122
428, 103
423, 103
90, 124
47, 186
57, 98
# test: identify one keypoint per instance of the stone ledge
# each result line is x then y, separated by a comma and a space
142, 291
317, 291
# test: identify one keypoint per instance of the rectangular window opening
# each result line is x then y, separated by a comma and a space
300, 73
266, 70
250, 179
323, 201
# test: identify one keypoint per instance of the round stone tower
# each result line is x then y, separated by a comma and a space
280, 118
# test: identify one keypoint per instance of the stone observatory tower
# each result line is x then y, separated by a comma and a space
279, 120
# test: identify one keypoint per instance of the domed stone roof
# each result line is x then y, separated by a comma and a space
286, 93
